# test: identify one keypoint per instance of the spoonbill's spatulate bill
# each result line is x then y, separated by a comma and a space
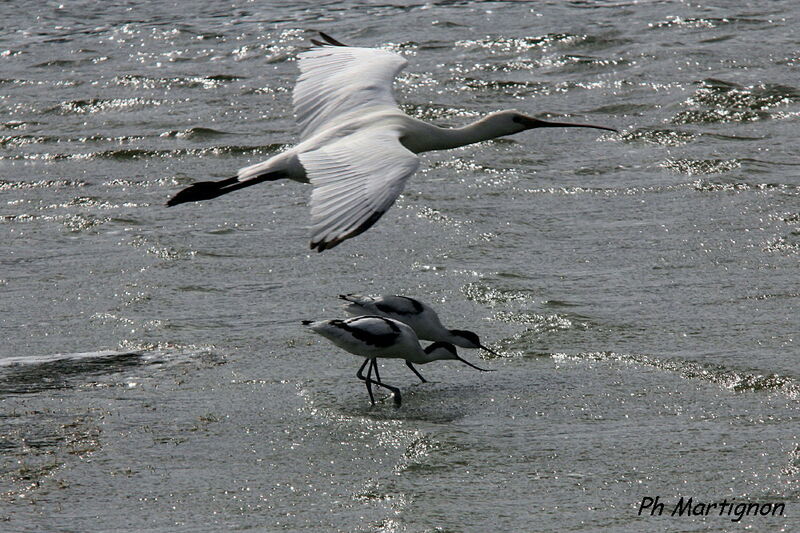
357, 148
372, 337
418, 315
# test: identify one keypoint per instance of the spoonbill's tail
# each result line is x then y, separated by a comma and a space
206, 190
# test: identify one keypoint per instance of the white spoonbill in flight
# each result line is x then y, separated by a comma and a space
372, 337
418, 315
357, 148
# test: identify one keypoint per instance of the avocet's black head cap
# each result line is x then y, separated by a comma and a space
471, 340
443, 346
452, 354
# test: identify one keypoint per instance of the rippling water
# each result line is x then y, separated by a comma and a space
641, 288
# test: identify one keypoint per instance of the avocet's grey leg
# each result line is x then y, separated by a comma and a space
408, 363
395, 390
367, 380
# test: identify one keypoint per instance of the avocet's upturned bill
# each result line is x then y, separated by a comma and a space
357, 147
418, 315
374, 337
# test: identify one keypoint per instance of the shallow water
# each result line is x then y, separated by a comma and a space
641, 288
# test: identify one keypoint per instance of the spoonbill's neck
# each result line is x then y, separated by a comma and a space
427, 137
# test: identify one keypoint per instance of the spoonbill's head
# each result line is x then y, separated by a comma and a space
524, 122
468, 339
442, 351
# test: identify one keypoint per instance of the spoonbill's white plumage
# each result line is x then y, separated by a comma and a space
418, 315
357, 147
374, 337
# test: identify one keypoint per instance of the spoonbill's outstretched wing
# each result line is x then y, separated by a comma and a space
356, 179
339, 80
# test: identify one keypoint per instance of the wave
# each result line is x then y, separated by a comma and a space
518, 44
147, 82
733, 379
692, 167
8, 185
663, 137
63, 357
37, 373
717, 101
95, 105
143, 153
195, 133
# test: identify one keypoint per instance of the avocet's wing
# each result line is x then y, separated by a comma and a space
339, 80
356, 332
400, 305
374, 330
356, 179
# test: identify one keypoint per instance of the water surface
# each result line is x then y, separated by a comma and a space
641, 288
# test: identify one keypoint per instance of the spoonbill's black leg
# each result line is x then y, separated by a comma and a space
367, 380
408, 363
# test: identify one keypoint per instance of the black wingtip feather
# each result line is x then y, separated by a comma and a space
307, 322
330, 40
323, 245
